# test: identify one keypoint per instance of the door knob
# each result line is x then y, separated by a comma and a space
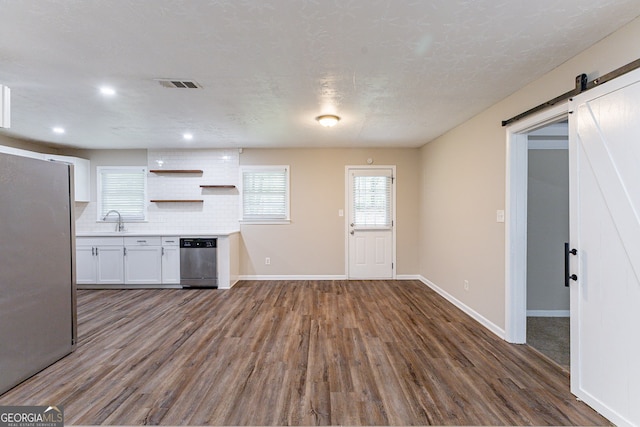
352, 224
352, 232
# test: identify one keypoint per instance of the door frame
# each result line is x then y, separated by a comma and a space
347, 214
516, 219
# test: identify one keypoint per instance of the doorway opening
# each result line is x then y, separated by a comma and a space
516, 221
548, 310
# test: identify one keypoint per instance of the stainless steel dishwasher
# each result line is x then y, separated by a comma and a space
198, 262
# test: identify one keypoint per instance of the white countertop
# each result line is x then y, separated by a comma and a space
210, 233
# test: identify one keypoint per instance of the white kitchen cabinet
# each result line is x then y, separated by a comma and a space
110, 267
99, 260
142, 261
171, 260
86, 265
82, 175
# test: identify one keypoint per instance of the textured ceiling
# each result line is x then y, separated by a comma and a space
398, 72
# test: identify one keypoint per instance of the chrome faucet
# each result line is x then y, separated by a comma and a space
120, 224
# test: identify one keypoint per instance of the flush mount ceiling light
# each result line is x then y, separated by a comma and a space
59, 130
328, 120
107, 91
187, 136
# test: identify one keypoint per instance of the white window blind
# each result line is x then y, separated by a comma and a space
265, 193
372, 201
122, 189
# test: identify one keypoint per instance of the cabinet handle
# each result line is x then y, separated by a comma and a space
96, 251
141, 241
125, 252
162, 252
93, 251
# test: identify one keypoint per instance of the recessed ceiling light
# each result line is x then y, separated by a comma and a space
107, 91
58, 130
328, 120
188, 136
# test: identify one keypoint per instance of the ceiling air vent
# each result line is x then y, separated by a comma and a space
179, 84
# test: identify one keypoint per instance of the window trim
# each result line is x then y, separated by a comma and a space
99, 170
266, 221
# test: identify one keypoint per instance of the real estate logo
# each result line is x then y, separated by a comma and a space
31, 416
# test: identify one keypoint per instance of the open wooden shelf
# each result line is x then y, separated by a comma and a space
177, 201
175, 171
217, 186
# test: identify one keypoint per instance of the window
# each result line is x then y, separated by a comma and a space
265, 193
372, 201
123, 189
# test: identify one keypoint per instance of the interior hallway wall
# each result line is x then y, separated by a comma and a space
547, 230
463, 183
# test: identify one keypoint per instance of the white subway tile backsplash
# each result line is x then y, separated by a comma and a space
218, 211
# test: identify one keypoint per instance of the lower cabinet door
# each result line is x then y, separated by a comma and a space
109, 266
143, 265
86, 265
171, 265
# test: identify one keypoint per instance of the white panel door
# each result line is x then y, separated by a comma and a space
605, 229
370, 238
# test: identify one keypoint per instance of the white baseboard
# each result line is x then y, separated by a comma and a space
293, 277
317, 277
465, 308
408, 277
123, 286
548, 313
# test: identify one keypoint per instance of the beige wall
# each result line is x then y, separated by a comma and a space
463, 183
314, 242
26, 145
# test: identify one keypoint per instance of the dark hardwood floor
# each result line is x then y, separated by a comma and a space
296, 353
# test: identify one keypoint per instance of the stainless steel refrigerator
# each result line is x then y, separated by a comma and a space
37, 270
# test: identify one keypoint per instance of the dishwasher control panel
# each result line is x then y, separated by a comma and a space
198, 243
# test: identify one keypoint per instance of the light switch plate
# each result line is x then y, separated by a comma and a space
340, 212
500, 215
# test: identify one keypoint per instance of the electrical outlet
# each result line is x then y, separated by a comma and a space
466, 285
267, 261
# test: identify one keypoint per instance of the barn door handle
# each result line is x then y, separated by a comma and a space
568, 276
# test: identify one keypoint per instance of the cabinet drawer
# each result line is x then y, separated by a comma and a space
142, 241
99, 241
170, 241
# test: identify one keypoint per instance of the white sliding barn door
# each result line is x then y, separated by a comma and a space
604, 152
